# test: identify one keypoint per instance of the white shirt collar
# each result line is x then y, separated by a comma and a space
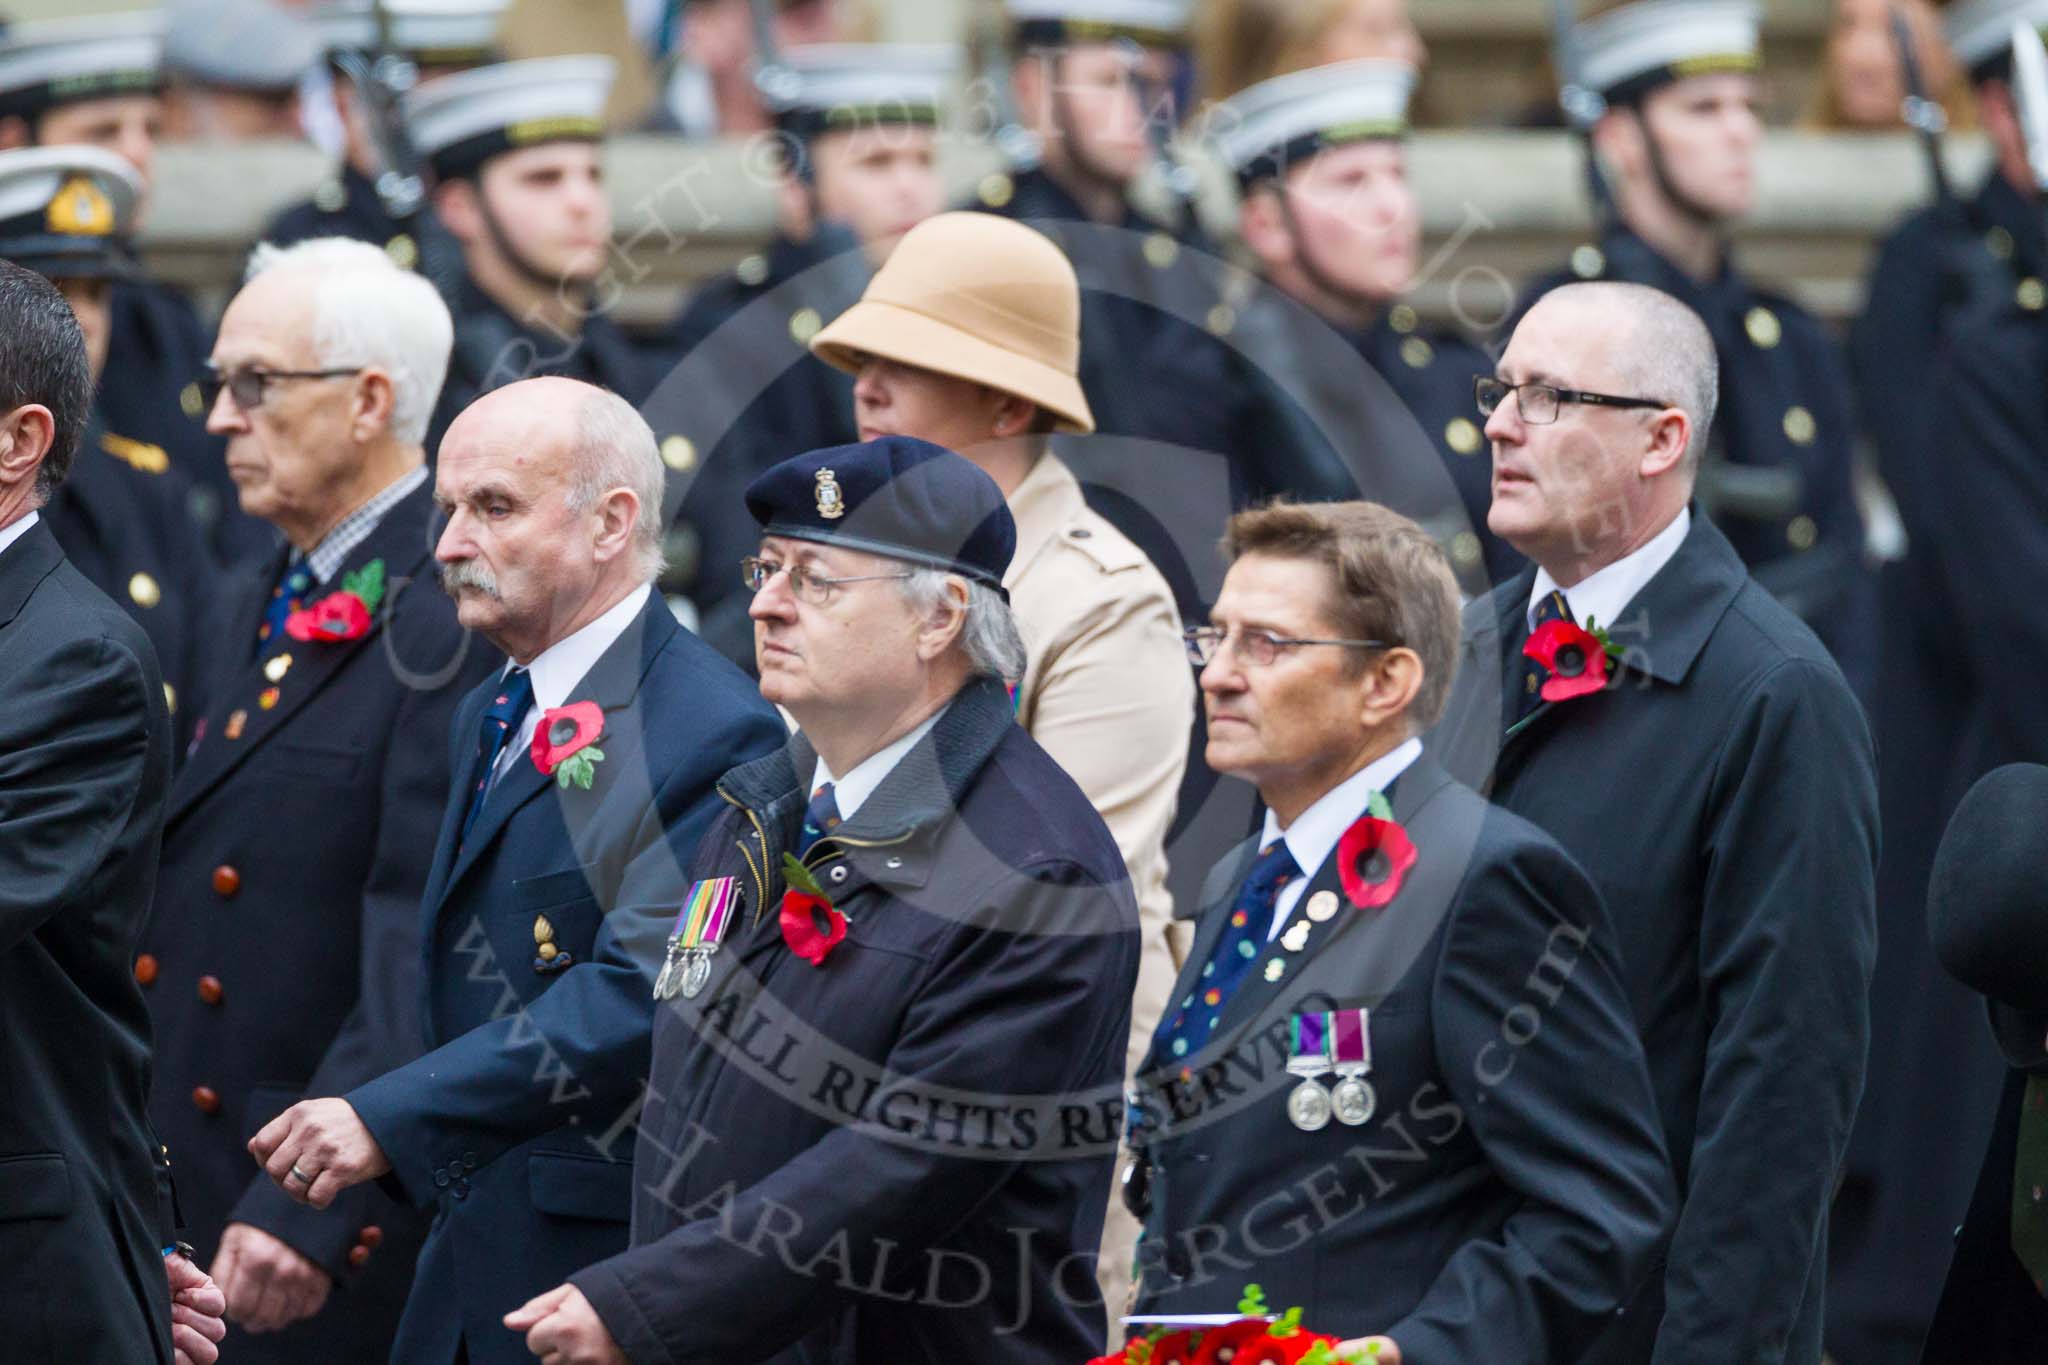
1602, 596
563, 664
851, 791
14, 531
1315, 832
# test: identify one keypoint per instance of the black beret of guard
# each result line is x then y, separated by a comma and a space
1987, 897
895, 496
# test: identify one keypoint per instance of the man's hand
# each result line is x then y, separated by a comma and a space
268, 1285
563, 1329
196, 1308
318, 1148
1374, 1350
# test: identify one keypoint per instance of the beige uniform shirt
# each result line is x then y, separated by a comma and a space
1107, 691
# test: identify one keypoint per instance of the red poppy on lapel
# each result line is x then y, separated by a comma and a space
344, 614
811, 925
336, 617
1372, 858
1576, 658
564, 743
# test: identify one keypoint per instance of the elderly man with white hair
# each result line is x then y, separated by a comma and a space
282, 955
585, 773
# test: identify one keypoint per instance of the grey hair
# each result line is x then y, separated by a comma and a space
990, 637
615, 448
368, 311
1666, 353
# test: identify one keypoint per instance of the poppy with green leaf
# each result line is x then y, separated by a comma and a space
565, 743
344, 614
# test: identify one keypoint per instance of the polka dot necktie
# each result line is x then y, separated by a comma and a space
500, 722
287, 597
1550, 607
821, 817
1237, 947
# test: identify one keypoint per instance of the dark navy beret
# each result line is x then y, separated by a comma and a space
896, 496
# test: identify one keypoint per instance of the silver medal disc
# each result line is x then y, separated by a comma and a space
1308, 1106
1354, 1100
696, 972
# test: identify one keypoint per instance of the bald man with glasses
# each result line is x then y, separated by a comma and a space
1638, 695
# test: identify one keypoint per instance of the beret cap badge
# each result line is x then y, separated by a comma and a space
831, 502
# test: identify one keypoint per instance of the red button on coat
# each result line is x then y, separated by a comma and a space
205, 1099
209, 989
371, 1236
226, 881
145, 970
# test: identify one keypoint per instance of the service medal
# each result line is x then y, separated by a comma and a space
1352, 1097
700, 928
1308, 1104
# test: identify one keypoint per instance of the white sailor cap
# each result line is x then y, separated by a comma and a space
827, 86
425, 32
1627, 52
1262, 130
461, 120
1056, 23
45, 63
255, 45
1980, 31
67, 212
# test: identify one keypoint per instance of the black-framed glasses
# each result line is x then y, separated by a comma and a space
808, 584
1260, 647
250, 384
1539, 402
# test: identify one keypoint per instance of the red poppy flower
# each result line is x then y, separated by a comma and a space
1175, 1348
1227, 1345
1282, 1350
335, 617
563, 731
811, 926
1372, 858
1576, 658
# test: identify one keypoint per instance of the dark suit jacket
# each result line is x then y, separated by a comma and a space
919, 1122
1511, 1191
318, 812
1990, 1313
1722, 796
518, 1121
85, 762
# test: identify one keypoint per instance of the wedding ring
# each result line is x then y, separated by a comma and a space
300, 1175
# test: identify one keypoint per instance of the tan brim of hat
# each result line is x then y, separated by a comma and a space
892, 332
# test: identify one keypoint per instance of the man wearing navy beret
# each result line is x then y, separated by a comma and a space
889, 1032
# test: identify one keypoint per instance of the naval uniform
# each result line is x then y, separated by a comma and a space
739, 392
122, 517
1911, 1159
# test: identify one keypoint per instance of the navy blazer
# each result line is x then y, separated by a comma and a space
1512, 1189
1722, 795
282, 958
85, 764
519, 1120
922, 1126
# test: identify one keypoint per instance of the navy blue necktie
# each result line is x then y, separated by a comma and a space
287, 597
500, 722
821, 817
1549, 607
1237, 947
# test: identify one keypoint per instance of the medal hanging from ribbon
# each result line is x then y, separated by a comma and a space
1352, 1097
1308, 1105
700, 928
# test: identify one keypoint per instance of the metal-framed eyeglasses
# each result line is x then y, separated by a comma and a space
248, 385
807, 583
1539, 403
1257, 647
